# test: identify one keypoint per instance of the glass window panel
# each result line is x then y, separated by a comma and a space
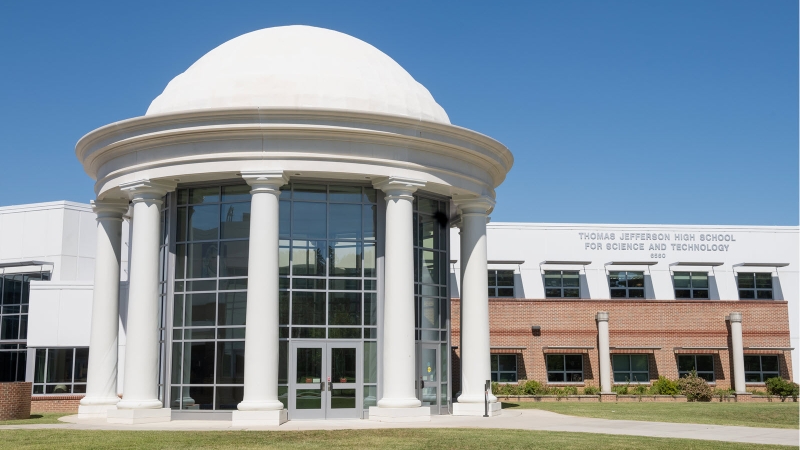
344, 222
198, 366
181, 227
343, 365
682, 280
238, 193
370, 362
428, 233
347, 194
59, 365
203, 222
369, 221
180, 261
555, 362
230, 362
621, 377
769, 363
699, 280
183, 196
202, 260
309, 220
229, 397
705, 363
552, 279
58, 389
234, 258
618, 293
571, 279
764, 294
10, 327
235, 221
507, 377
635, 293
344, 308
640, 377
683, 293
345, 259
314, 192
752, 363
200, 309
204, 195
370, 195
764, 281
635, 279
552, 293
81, 364
370, 309
284, 218
344, 333
39, 365
505, 278
574, 362
430, 313
508, 363
308, 308
231, 333
313, 283
752, 377
369, 260
286, 192
232, 285
572, 293
283, 362
343, 398
700, 293
198, 397
443, 351
555, 377
639, 363
747, 294
621, 363
616, 279
370, 396
198, 334
308, 257
12, 290
505, 292
283, 257
430, 267
204, 285
344, 285
494, 362
232, 308
426, 205
746, 280
706, 376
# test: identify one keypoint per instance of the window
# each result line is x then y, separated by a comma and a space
564, 368
60, 370
561, 284
501, 283
504, 368
755, 286
626, 284
14, 293
702, 364
760, 368
630, 369
690, 285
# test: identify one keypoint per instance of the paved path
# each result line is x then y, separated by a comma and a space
522, 419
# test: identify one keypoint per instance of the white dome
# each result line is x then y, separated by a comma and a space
299, 67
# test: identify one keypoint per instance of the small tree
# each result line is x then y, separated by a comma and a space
782, 388
695, 388
664, 386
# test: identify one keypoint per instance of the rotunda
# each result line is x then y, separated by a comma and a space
290, 196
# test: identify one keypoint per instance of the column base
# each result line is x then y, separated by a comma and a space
271, 418
418, 414
477, 409
95, 411
137, 416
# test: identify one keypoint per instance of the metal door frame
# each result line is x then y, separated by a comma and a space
356, 412
295, 413
435, 408
325, 411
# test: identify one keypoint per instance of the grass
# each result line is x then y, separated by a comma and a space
428, 439
768, 415
36, 419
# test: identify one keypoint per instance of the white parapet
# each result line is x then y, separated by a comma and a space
273, 417
137, 416
400, 415
476, 409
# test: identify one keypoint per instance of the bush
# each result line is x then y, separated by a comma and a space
782, 388
591, 390
532, 387
695, 388
570, 390
640, 389
722, 393
621, 389
664, 386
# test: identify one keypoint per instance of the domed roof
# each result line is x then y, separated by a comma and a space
299, 67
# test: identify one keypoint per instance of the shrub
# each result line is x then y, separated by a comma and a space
640, 389
591, 390
664, 386
722, 393
695, 388
570, 390
621, 389
782, 388
532, 387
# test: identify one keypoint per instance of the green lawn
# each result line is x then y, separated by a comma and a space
37, 418
347, 439
770, 415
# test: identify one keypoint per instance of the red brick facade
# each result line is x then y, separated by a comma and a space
665, 324
55, 403
15, 400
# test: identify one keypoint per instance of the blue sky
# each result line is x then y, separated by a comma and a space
616, 111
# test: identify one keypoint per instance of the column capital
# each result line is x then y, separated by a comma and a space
475, 205
398, 186
110, 209
146, 189
602, 316
265, 180
735, 317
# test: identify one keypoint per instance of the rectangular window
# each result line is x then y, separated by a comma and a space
60, 370
755, 286
504, 368
702, 364
562, 284
631, 369
564, 368
760, 368
501, 283
690, 285
626, 284
14, 294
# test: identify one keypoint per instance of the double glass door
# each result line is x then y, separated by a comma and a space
325, 380
429, 383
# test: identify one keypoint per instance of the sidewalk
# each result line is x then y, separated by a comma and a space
528, 419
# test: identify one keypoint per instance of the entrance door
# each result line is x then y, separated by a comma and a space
429, 383
325, 380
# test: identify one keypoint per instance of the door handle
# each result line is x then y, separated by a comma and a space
322, 385
330, 386
421, 384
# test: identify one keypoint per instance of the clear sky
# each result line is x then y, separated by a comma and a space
616, 111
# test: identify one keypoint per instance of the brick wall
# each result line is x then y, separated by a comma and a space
15, 400
55, 403
632, 323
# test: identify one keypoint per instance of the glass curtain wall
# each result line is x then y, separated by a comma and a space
432, 301
14, 294
328, 276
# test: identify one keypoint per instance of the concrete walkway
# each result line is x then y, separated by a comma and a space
523, 419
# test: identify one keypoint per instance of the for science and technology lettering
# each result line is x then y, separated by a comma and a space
657, 242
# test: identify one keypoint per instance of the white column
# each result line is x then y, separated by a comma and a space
399, 401
603, 351
475, 346
737, 350
140, 402
101, 382
260, 405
